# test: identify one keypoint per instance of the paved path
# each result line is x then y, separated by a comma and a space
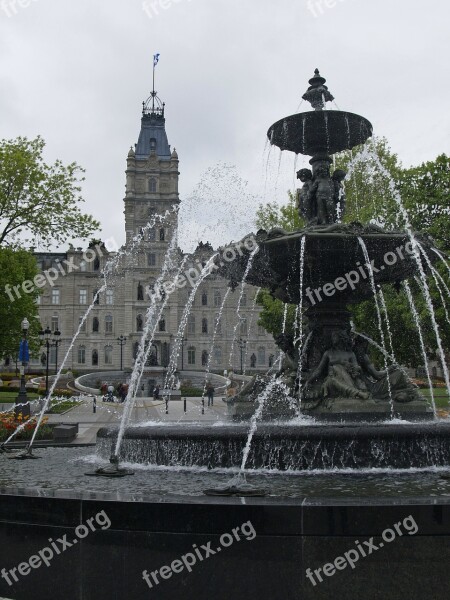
145, 409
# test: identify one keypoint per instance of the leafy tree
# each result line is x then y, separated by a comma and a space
17, 267
375, 182
39, 200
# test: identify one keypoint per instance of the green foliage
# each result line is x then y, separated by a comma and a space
17, 266
39, 200
272, 215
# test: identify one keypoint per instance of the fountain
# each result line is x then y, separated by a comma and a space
333, 447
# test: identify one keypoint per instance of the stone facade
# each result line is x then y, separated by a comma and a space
151, 202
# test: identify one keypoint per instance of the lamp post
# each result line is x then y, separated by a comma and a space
121, 340
242, 343
22, 404
56, 342
183, 339
48, 341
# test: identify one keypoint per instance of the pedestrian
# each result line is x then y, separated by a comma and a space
210, 392
156, 393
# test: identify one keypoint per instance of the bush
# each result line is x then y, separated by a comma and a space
191, 391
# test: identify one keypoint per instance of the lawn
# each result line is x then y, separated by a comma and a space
6, 397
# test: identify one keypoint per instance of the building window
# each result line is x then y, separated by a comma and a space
82, 325
218, 323
81, 355
162, 325
109, 297
218, 355
204, 325
244, 299
108, 324
96, 297
151, 235
243, 327
151, 259
191, 324
83, 296
108, 355
95, 325
152, 185
261, 356
55, 323
204, 299
139, 323
161, 234
253, 361
152, 144
96, 264
94, 358
271, 359
204, 358
191, 355
217, 298
55, 296
83, 266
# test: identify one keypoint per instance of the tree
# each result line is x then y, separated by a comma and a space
17, 267
374, 185
39, 200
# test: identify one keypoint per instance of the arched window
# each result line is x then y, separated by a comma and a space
261, 355
243, 327
204, 358
94, 358
96, 264
253, 361
108, 355
81, 355
217, 298
162, 325
204, 299
161, 234
82, 266
151, 235
218, 323
139, 323
152, 185
204, 325
108, 324
244, 299
140, 291
218, 355
95, 325
191, 324
191, 355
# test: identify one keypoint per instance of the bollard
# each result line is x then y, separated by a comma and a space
167, 405
184, 403
94, 406
203, 405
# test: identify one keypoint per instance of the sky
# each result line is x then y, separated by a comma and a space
76, 74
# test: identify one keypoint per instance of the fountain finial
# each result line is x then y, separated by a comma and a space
317, 94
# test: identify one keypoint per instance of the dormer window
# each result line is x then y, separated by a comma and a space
152, 145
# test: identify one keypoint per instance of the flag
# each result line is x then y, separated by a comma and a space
24, 353
155, 59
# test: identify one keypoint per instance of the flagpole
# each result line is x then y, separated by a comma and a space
153, 93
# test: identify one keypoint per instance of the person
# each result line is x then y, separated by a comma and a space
210, 393
340, 369
156, 393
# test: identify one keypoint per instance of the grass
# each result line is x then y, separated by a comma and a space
6, 397
62, 407
440, 397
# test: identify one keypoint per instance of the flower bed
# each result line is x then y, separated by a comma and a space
9, 424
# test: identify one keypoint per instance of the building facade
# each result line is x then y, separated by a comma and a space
221, 330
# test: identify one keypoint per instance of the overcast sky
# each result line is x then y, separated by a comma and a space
77, 72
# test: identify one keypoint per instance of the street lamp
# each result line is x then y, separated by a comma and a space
121, 341
22, 404
48, 341
56, 342
242, 344
183, 339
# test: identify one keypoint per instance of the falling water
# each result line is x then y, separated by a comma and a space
414, 244
437, 277
243, 283
441, 256
422, 343
388, 323
252, 316
380, 321
300, 325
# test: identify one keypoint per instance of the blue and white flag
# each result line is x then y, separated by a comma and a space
24, 353
156, 59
